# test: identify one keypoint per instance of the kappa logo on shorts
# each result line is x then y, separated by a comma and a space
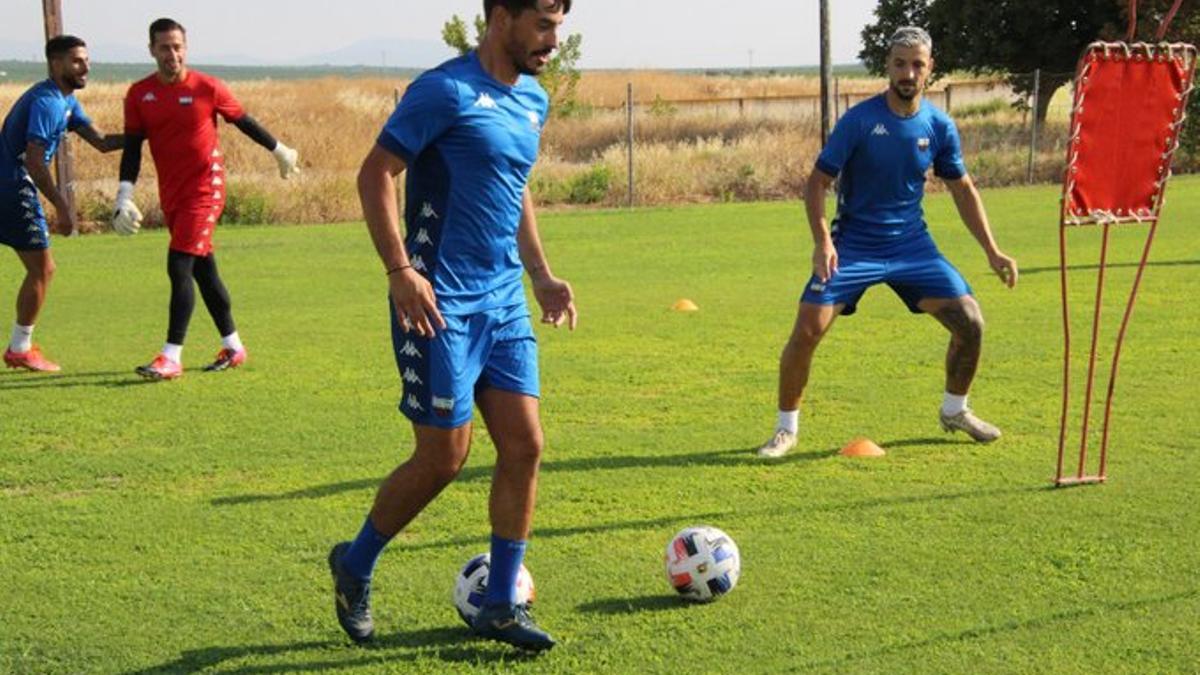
418, 264
413, 403
428, 212
423, 237
27, 192
410, 376
817, 287
443, 406
410, 350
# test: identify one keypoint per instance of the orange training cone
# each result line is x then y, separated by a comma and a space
685, 305
862, 447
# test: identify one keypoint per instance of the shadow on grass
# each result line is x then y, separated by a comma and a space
846, 661
13, 381
733, 457
635, 605
1073, 268
453, 645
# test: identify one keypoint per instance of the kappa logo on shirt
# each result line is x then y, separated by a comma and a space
879, 130
485, 101
149, 97
535, 121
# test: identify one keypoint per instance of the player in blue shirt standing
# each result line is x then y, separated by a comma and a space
468, 133
881, 150
30, 136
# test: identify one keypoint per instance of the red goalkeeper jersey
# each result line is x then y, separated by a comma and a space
180, 121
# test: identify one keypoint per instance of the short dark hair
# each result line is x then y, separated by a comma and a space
515, 7
59, 45
165, 26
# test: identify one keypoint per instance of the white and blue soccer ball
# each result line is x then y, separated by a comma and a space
470, 587
703, 563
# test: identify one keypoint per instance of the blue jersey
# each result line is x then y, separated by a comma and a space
469, 142
43, 114
882, 159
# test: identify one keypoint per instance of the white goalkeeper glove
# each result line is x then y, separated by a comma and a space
287, 159
127, 219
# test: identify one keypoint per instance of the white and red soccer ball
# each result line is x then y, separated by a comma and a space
470, 587
703, 563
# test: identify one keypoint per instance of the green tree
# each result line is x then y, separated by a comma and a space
560, 77
1012, 38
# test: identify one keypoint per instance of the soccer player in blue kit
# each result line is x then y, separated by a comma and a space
881, 150
468, 133
31, 134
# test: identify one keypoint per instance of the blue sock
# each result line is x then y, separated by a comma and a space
507, 556
359, 559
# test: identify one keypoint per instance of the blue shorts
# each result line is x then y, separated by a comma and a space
22, 222
914, 272
441, 377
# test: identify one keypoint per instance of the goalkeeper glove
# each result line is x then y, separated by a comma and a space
127, 219
288, 160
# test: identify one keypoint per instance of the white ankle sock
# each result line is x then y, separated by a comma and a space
173, 352
789, 420
22, 338
952, 404
232, 342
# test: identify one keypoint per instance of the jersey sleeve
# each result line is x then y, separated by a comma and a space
225, 103
79, 118
840, 145
44, 118
133, 117
427, 109
948, 164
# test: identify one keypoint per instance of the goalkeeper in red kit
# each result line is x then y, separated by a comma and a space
176, 110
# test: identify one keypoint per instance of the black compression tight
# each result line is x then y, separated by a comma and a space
183, 269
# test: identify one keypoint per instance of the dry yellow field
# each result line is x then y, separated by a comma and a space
683, 152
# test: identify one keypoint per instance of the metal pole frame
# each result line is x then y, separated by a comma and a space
1107, 220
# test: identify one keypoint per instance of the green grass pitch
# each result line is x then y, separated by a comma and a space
183, 526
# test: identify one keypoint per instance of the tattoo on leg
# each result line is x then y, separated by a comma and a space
966, 342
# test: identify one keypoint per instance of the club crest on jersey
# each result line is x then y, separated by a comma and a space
922, 144
185, 100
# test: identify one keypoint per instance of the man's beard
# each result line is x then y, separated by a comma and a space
76, 81
896, 89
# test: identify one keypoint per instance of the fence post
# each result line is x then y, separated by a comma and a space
1033, 135
837, 99
629, 139
949, 86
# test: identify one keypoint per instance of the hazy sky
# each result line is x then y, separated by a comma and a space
617, 33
